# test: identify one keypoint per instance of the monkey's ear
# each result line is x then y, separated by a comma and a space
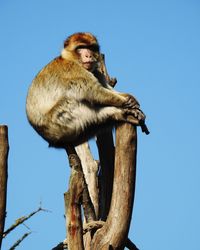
66, 43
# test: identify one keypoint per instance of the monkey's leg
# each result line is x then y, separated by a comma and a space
119, 115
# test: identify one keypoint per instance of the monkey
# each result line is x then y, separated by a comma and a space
67, 104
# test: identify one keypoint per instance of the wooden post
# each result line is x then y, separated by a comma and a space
114, 233
4, 148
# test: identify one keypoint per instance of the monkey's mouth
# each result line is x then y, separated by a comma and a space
88, 65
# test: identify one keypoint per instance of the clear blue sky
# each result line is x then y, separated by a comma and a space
153, 48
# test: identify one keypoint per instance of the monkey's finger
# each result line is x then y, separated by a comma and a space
132, 105
141, 115
136, 106
131, 112
131, 102
137, 113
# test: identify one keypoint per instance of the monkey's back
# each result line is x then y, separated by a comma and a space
57, 80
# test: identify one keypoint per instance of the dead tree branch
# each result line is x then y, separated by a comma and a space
22, 220
20, 240
4, 148
77, 194
90, 170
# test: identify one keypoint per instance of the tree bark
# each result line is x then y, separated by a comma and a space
78, 194
4, 148
73, 206
90, 170
114, 233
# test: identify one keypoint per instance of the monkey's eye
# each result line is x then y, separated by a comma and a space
93, 47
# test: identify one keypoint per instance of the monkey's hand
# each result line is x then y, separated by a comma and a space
136, 112
139, 116
130, 102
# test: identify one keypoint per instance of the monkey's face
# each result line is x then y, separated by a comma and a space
87, 58
83, 47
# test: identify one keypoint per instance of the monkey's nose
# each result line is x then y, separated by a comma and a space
88, 55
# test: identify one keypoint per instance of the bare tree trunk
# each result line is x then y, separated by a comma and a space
114, 233
4, 148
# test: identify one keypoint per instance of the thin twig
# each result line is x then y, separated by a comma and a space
20, 240
22, 220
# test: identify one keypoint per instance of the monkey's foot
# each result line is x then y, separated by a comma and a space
136, 112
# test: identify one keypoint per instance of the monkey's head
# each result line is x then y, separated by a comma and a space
84, 48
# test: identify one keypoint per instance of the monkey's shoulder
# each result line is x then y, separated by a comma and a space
65, 68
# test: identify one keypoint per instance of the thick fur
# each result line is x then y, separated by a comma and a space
66, 104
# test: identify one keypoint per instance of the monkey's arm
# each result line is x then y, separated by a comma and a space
97, 94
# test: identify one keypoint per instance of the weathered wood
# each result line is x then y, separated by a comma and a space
114, 233
4, 148
73, 205
78, 194
90, 170
102, 68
